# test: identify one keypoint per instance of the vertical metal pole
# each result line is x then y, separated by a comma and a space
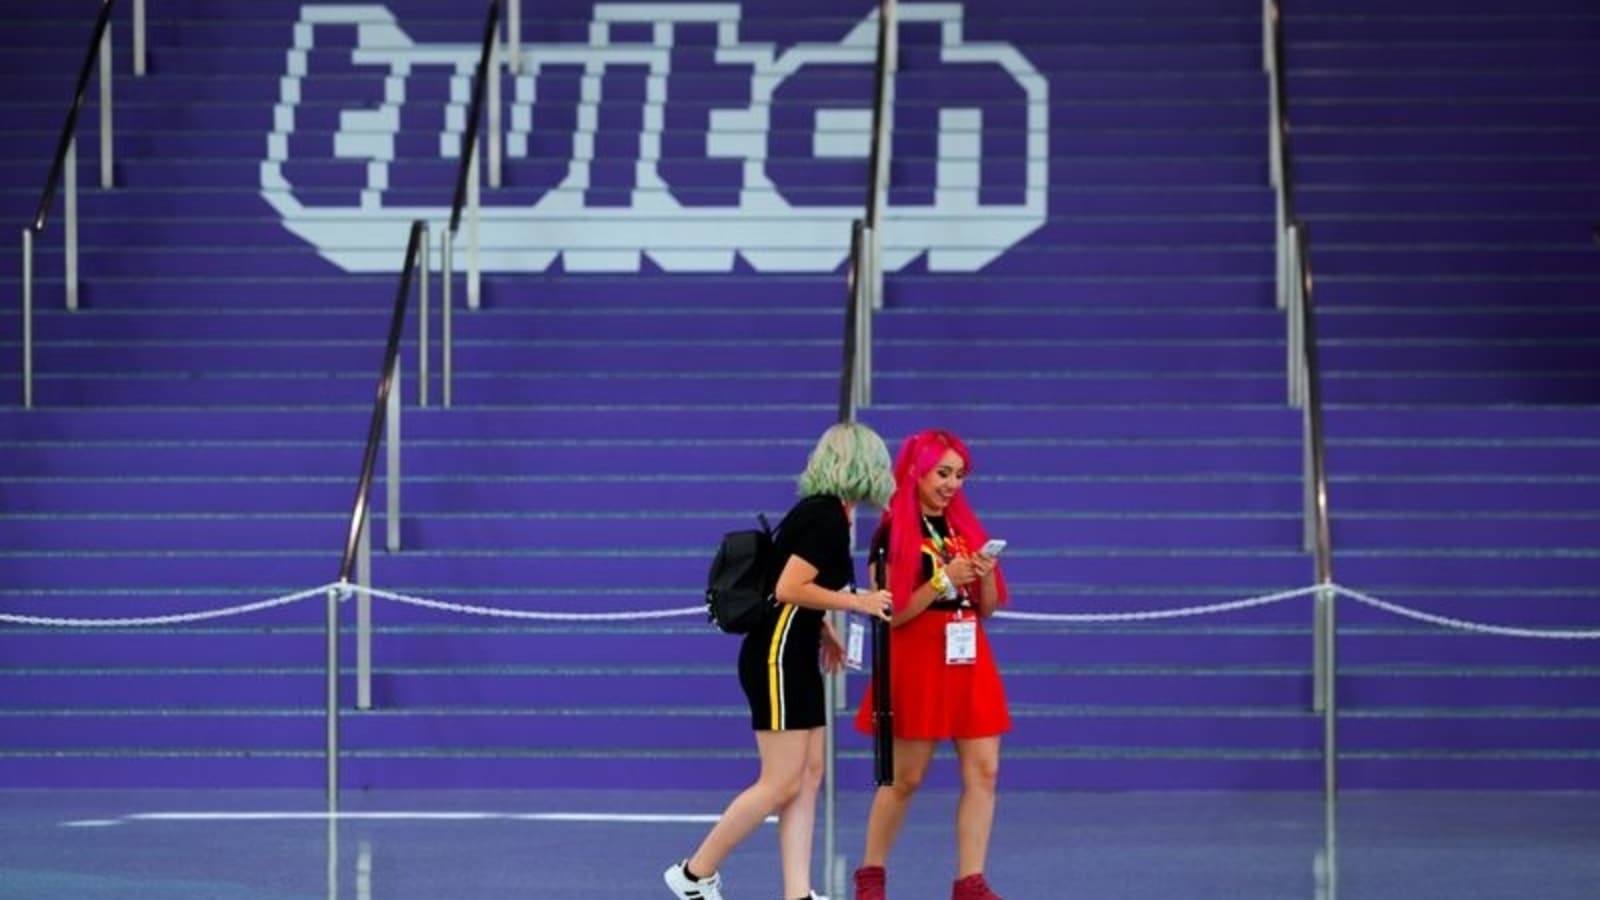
1327, 865
69, 202
138, 38
106, 131
1274, 124
364, 549
364, 614
514, 37
333, 855
426, 267
27, 318
874, 273
831, 703
1266, 35
1297, 296
446, 312
1308, 477
332, 749
1280, 288
391, 481
493, 74
863, 361
874, 261
1321, 675
865, 323
1294, 309
1330, 708
474, 202
364, 871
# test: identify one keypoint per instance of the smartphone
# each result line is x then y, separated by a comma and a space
992, 547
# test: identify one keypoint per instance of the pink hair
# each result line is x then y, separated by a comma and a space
919, 455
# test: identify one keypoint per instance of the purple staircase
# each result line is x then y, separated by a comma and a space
1450, 171
633, 387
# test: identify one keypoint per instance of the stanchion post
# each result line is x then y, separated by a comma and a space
882, 712
391, 480
514, 37
882, 703
332, 748
364, 614
446, 313
493, 99
107, 152
474, 202
1326, 607
1327, 862
27, 318
69, 221
139, 66
425, 272
833, 699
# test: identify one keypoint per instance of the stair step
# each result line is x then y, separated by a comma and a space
488, 459
277, 494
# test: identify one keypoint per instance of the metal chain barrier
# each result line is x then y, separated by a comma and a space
1462, 624
1152, 615
346, 590
525, 614
168, 620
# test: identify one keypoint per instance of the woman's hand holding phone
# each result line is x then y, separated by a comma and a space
984, 562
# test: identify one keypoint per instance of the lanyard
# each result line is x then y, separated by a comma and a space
933, 535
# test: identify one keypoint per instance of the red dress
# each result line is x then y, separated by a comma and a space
933, 699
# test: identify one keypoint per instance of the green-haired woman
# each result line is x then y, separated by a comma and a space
782, 660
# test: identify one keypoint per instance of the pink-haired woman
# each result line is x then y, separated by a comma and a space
945, 685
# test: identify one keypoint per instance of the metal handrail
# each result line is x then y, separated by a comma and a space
849, 382
469, 139
864, 295
385, 422
98, 47
64, 168
870, 262
467, 194
884, 65
1295, 294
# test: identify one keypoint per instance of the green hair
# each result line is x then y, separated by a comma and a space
850, 462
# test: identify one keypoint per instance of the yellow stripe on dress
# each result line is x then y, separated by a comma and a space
780, 633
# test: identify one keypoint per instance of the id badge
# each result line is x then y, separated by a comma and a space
960, 642
854, 640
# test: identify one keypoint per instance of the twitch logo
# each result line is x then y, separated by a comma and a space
661, 138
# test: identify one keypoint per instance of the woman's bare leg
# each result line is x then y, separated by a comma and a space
980, 770
891, 802
797, 822
783, 761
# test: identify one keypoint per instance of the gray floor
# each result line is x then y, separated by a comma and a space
276, 845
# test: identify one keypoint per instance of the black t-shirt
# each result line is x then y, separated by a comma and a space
817, 530
880, 547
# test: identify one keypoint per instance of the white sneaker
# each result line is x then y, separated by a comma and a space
709, 888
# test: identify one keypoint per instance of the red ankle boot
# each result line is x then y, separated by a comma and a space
871, 883
973, 887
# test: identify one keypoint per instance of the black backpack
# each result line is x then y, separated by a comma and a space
743, 573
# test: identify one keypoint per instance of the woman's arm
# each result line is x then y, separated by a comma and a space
988, 594
921, 598
797, 585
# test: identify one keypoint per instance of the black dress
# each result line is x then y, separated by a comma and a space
778, 662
